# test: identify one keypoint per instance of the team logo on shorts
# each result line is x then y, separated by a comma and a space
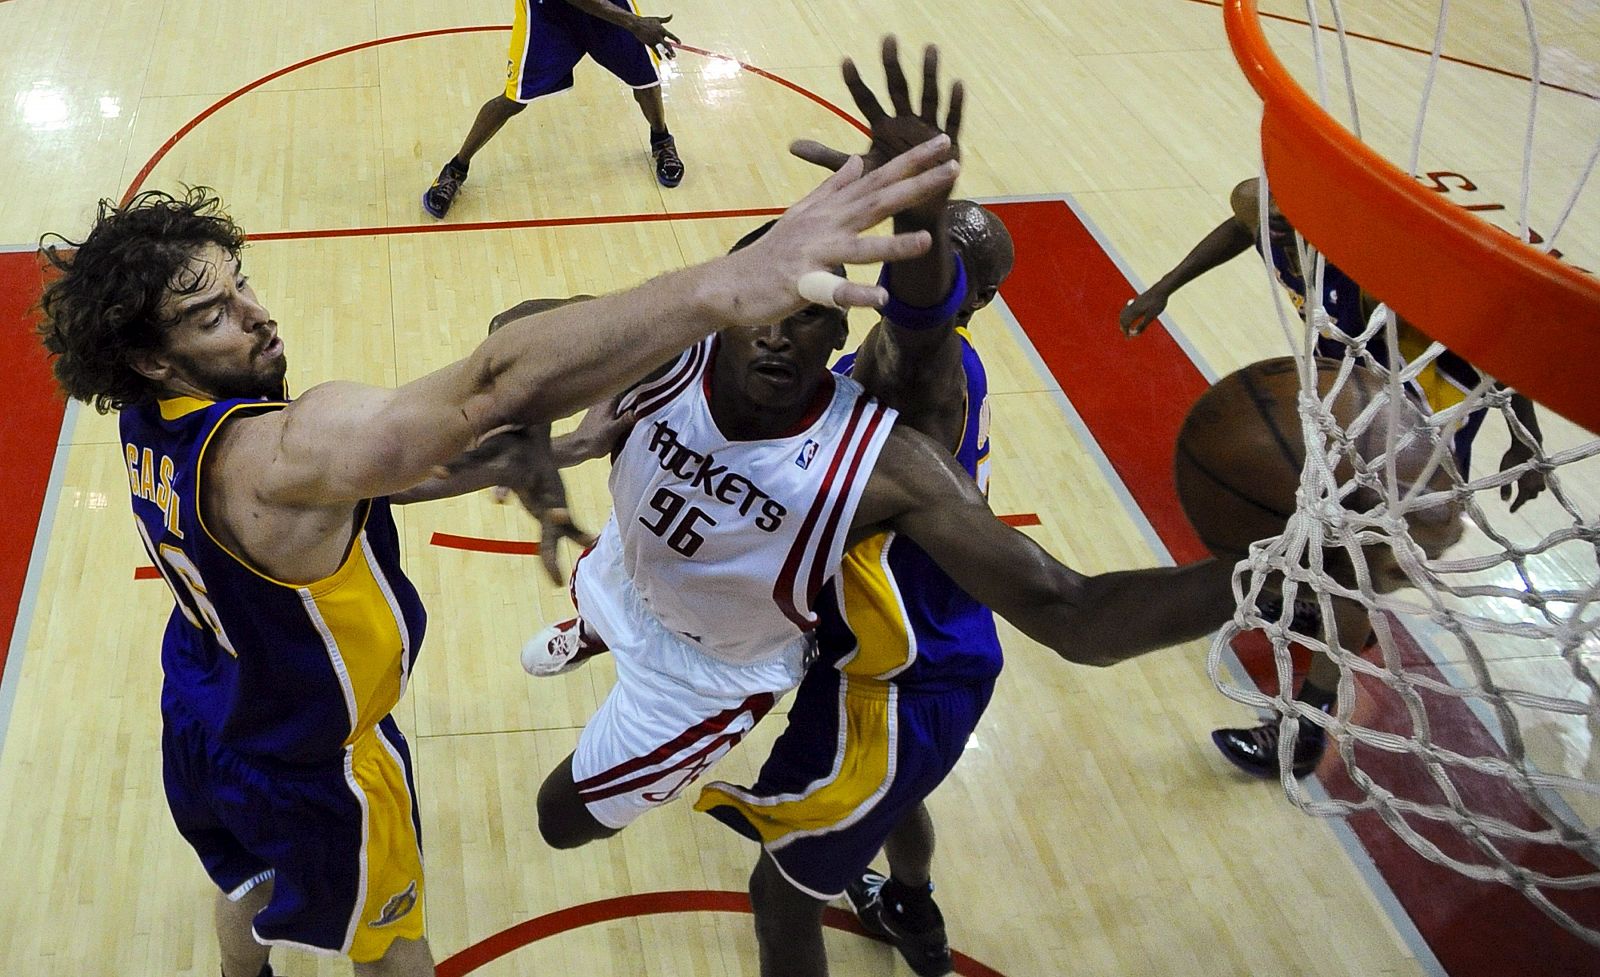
807, 453
397, 907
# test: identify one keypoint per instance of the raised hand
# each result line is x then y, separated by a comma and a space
652, 33
908, 126
827, 229
521, 462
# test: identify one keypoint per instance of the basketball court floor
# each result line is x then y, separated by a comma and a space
1091, 828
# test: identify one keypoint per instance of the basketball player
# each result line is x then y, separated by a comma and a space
934, 655
548, 39
750, 473
1443, 384
295, 629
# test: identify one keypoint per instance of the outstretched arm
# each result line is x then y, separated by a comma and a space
910, 360
1226, 241
344, 441
919, 490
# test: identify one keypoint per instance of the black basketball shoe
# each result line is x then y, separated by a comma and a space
926, 949
669, 167
1255, 750
436, 200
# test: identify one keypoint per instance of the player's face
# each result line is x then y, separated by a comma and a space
779, 365
221, 341
986, 271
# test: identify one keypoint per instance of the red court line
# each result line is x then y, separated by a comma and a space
1386, 42
1066, 293
687, 215
146, 573
1021, 519
644, 904
481, 545
30, 425
160, 153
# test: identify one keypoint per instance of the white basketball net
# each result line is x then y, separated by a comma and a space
1482, 679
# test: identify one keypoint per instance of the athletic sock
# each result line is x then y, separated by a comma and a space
658, 139
458, 165
911, 905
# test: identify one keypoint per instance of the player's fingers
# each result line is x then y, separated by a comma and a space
820, 287
891, 247
899, 89
952, 121
867, 102
840, 186
917, 161
853, 295
930, 84
817, 154
666, 50
663, 20
886, 201
675, 38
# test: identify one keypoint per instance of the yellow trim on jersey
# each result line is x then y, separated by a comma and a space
173, 408
516, 56
391, 854
1438, 390
885, 640
864, 772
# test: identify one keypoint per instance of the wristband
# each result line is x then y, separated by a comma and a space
910, 317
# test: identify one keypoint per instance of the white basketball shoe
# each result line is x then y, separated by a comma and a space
559, 649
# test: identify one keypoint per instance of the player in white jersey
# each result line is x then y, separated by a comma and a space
749, 469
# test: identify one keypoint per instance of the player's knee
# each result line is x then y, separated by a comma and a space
564, 821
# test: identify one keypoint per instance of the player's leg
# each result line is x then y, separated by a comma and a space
899, 907
564, 819
672, 714
404, 958
788, 925
242, 956
625, 56
1255, 749
663, 148
195, 783
909, 849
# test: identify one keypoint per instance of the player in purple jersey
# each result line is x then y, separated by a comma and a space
1442, 384
294, 628
548, 39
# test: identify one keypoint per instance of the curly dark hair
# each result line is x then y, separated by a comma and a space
104, 307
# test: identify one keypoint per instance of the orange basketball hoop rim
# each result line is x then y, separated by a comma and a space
1513, 311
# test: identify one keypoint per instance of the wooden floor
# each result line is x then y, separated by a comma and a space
1092, 828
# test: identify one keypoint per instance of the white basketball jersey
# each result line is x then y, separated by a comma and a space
728, 542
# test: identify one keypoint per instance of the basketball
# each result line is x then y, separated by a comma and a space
1240, 451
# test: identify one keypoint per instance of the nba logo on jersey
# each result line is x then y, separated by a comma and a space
808, 452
